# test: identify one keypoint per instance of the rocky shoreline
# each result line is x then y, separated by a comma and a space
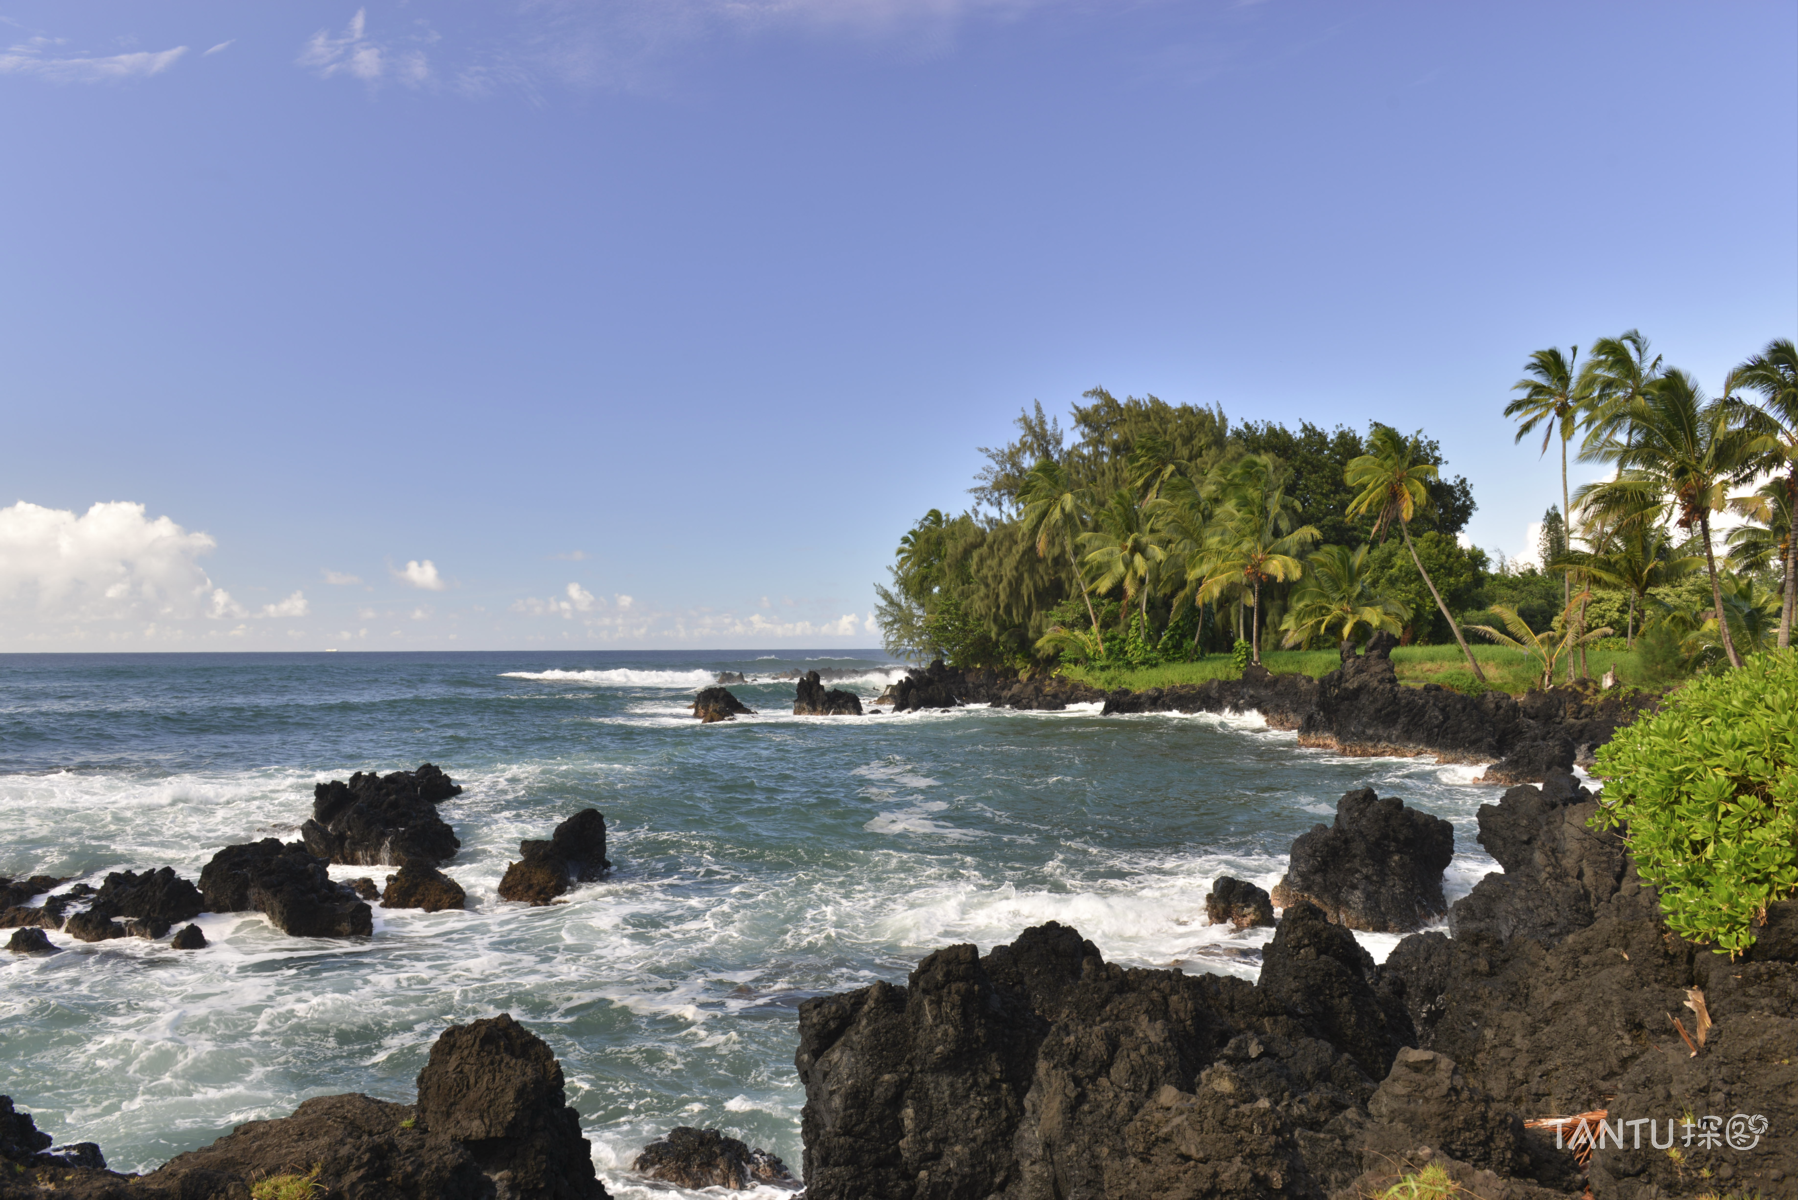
1359, 709
1039, 1071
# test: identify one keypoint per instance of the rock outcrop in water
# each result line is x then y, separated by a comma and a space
1379, 867
575, 853
1239, 903
811, 700
30, 940
718, 704
287, 884
1358, 709
418, 884
703, 1158
492, 1122
382, 818
151, 903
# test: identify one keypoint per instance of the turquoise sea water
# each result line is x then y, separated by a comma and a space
758, 863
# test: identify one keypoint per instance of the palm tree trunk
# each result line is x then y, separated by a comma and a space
1629, 629
1567, 535
1081, 580
1710, 562
1472, 664
1584, 672
1785, 617
1255, 625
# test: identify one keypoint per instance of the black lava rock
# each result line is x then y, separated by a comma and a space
574, 853
812, 700
718, 704
1379, 867
382, 818
1239, 903
702, 1158
287, 884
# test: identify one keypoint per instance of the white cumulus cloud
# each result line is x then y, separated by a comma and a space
575, 599
421, 575
36, 57
294, 606
107, 563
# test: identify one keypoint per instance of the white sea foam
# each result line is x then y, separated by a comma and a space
620, 677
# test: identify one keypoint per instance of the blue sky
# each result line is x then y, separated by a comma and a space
656, 324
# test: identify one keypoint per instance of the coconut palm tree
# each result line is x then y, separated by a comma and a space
1614, 382
1552, 398
1774, 374
1337, 598
1759, 546
1392, 488
1125, 550
1636, 555
1255, 541
1679, 446
1053, 504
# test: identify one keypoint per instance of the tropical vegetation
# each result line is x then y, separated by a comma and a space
1151, 535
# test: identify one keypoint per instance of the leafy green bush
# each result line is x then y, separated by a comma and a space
1709, 789
1242, 653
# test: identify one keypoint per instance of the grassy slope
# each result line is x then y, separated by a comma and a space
1505, 668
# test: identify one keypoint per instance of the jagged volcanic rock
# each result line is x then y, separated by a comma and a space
188, 938
811, 700
718, 704
1557, 871
574, 853
491, 1122
154, 901
382, 818
418, 884
1239, 903
702, 1158
1379, 867
287, 884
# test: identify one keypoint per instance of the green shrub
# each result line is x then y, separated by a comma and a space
1709, 789
288, 1187
1431, 1183
1242, 653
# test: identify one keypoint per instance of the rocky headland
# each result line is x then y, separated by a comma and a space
1359, 709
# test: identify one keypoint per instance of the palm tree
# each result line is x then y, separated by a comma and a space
1757, 547
1256, 541
1124, 550
1636, 554
1053, 503
1543, 647
1392, 489
1614, 383
1774, 374
1337, 597
1677, 445
1552, 397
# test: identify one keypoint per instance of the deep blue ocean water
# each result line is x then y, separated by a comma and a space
758, 863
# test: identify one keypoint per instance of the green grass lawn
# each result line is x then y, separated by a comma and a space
1506, 669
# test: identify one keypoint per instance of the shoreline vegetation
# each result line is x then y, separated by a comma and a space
1152, 536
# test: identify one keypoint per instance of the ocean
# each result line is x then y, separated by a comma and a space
757, 863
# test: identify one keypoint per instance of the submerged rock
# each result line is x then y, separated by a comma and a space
1378, 868
702, 1158
188, 938
717, 704
1239, 903
287, 884
382, 818
812, 700
30, 940
574, 853
418, 884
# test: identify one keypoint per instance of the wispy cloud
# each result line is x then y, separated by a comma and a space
339, 578
219, 47
420, 575
38, 56
571, 556
353, 52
